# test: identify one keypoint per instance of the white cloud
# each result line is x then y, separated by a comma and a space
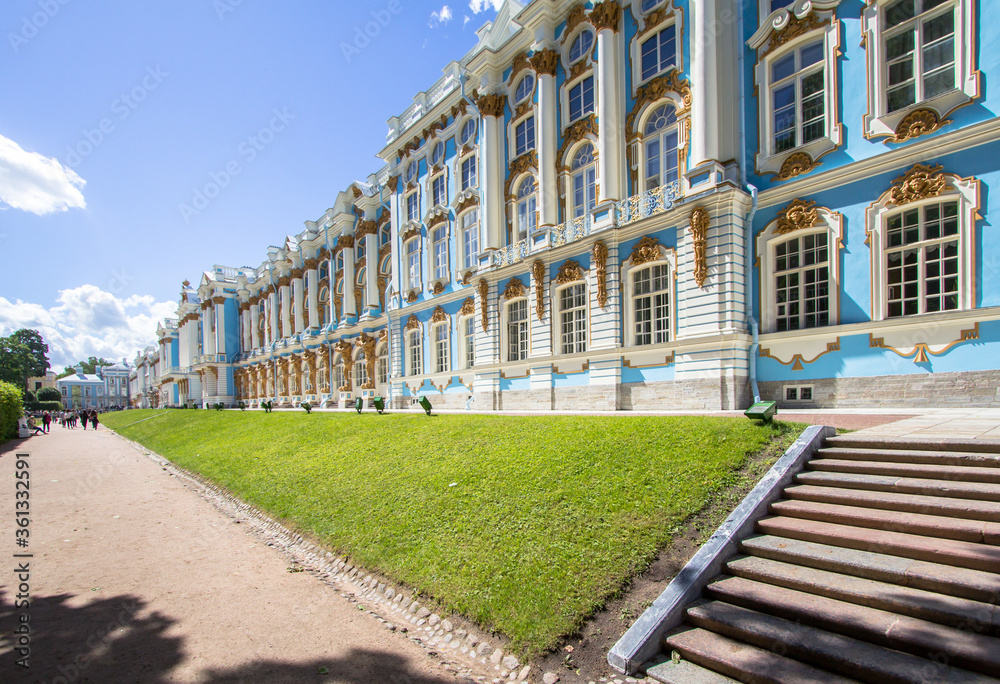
35, 183
478, 6
441, 17
88, 321
465, 20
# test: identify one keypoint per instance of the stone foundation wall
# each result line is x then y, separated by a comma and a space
710, 394
968, 389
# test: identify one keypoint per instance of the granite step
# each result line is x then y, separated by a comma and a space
946, 551
685, 672
962, 648
833, 652
931, 606
980, 491
744, 662
918, 470
948, 580
969, 509
977, 531
865, 441
955, 458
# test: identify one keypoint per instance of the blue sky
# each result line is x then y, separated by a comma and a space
115, 115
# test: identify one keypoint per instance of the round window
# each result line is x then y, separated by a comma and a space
468, 132
437, 154
524, 88
581, 46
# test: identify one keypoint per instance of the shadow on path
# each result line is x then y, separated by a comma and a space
117, 640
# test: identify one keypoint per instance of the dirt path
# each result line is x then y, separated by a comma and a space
136, 578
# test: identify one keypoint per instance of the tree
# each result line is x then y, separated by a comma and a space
49, 394
89, 366
34, 341
23, 355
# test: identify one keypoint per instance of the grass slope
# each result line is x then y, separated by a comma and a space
524, 524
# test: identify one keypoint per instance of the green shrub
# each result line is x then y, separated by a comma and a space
43, 406
49, 394
11, 409
29, 396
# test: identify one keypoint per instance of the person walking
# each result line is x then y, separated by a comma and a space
46, 421
93, 419
83, 418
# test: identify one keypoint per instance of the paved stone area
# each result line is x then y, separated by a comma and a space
945, 423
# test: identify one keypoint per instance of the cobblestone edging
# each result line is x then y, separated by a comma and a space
462, 648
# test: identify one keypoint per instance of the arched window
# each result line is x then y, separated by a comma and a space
660, 141
437, 154
414, 349
524, 88
581, 46
584, 178
411, 172
382, 365
526, 214
324, 307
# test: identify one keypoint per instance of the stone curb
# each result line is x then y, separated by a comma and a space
642, 641
461, 647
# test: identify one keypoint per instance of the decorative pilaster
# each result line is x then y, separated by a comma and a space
544, 63
372, 308
492, 156
286, 306
297, 299
312, 293
606, 17
346, 243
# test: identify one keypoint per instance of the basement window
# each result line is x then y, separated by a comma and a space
798, 393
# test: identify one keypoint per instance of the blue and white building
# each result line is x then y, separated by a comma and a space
646, 205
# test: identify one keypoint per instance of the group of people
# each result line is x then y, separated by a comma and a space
68, 419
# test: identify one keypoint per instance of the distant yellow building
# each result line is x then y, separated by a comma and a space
35, 384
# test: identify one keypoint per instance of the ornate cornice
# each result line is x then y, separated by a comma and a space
365, 228
440, 218
470, 201
577, 132
545, 62
468, 307
218, 299
796, 27
918, 183
310, 264
528, 160
915, 124
515, 288
411, 233
798, 215
656, 90
284, 281
484, 293
296, 273
576, 16
647, 249
606, 15
569, 272
345, 242
520, 63
538, 273
490, 104
652, 20
796, 165
699, 231
600, 254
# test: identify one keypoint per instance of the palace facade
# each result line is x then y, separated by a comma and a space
681, 204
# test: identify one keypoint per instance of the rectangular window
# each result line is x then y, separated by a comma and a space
383, 370
469, 329
517, 330
412, 207
361, 373
416, 360
920, 51
802, 282
469, 179
584, 191
439, 194
413, 263
798, 98
470, 238
573, 318
659, 52
441, 351
651, 305
440, 239
581, 99
922, 260
524, 136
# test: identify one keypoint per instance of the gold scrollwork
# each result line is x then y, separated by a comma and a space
439, 315
655, 90
798, 215
569, 272
922, 349
918, 183
484, 292
468, 307
515, 288
606, 15
797, 360
647, 249
795, 165
699, 231
577, 132
412, 323
545, 62
796, 27
538, 273
600, 254
528, 160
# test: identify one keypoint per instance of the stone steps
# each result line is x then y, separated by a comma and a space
879, 563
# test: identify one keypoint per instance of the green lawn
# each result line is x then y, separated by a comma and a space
524, 524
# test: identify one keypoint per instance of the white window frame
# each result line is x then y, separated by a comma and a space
530, 143
769, 161
414, 352
798, 389
587, 175
360, 372
828, 222
586, 108
641, 152
528, 95
526, 323
413, 281
471, 139
467, 340
469, 180
469, 233
529, 204
412, 212
437, 153
441, 340
561, 323
439, 190
654, 34
963, 190
439, 239
630, 281
878, 122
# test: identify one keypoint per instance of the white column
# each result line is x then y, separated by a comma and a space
272, 306
297, 299
286, 306
610, 140
547, 137
255, 341
207, 338
704, 100
248, 326
349, 308
371, 274
312, 295
219, 317
492, 159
